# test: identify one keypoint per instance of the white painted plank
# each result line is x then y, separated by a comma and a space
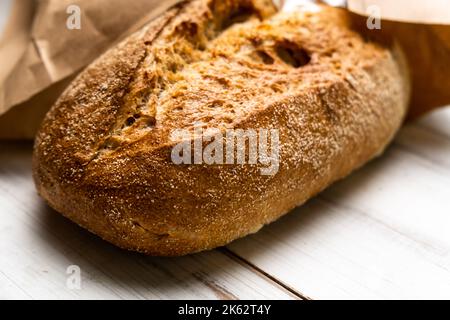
438, 121
382, 233
431, 145
37, 245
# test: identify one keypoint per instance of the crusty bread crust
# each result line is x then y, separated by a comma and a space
102, 156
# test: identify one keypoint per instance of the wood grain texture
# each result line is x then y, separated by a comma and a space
382, 233
37, 245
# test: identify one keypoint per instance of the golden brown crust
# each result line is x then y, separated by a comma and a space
102, 157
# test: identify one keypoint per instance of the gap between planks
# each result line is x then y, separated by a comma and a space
267, 276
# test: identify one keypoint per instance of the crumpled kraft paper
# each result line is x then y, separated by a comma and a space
422, 28
427, 49
40, 55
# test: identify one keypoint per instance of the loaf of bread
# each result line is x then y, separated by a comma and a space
104, 156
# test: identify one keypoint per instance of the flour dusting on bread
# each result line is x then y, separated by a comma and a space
103, 155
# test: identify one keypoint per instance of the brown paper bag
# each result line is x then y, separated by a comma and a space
422, 28
40, 54
427, 49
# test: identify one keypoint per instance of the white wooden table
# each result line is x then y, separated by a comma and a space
384, 232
